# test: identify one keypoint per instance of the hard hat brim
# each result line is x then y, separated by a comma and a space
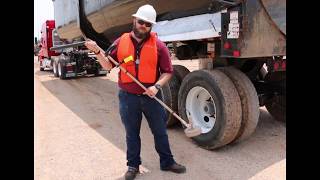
142, 18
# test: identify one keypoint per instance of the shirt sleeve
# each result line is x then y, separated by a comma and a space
164, 59
113, 53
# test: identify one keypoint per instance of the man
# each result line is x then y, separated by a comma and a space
151, 66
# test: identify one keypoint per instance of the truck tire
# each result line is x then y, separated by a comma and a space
211, 100
61, 70
180, 72
40, 64
277, 108
277, 105
55, 69
249, 102
169, 94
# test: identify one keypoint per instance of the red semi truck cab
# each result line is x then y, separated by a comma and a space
45, 54
78, 61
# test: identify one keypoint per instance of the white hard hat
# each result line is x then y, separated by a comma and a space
146, 13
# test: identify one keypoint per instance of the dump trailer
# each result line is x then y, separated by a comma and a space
240, 46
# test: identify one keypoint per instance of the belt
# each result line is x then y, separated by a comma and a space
132, 93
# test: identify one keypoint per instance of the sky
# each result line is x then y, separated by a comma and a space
43, 10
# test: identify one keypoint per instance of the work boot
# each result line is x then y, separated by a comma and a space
131, 173
176, 168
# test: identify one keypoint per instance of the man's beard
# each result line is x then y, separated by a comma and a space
139, 34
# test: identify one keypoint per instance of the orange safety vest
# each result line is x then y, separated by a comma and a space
148, 59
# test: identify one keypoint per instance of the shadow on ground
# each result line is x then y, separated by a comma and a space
95, 101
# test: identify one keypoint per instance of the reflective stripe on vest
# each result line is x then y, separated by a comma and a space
148, 59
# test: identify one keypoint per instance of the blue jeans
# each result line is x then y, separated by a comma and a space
131, 108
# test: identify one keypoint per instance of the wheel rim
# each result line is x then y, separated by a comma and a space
200, 107
59, 69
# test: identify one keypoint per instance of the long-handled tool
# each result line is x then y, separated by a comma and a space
190, 131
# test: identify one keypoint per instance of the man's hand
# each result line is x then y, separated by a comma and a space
92, 45
151, 91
